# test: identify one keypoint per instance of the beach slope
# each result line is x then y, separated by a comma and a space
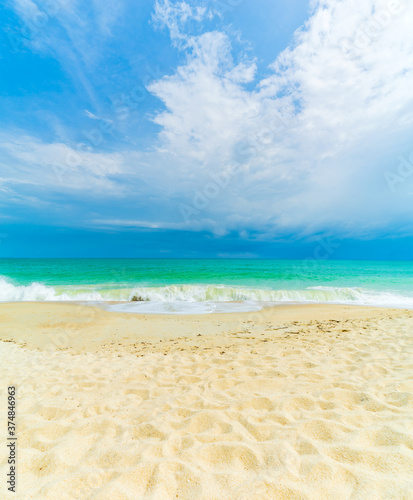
291, 402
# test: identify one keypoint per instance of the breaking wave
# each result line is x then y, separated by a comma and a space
10, 292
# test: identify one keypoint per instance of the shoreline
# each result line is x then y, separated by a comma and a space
73, 326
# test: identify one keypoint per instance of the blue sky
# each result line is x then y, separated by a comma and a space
206, 128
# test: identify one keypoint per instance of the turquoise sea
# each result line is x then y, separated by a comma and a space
203, 285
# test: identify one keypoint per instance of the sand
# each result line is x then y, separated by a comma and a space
294, 402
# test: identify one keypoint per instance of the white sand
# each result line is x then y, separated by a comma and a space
320, 409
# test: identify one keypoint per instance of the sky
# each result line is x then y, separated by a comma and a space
213, 128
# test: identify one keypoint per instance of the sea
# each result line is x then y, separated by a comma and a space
191, 286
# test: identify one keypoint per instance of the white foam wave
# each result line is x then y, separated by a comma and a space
214, 293
37, 292
184, 307
173, 294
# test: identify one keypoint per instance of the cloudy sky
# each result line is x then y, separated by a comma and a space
206, 128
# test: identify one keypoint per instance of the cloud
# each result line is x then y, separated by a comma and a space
26, 160
315, 136
91, 115
175, 17
204, 100
138, 224
306, 147
77, 35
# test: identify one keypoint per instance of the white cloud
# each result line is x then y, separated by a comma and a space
26, 160
121, 223
315, 136
307, 147
74, 35
205, 100
91, 115
175, 15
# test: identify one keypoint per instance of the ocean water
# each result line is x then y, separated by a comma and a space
192, 286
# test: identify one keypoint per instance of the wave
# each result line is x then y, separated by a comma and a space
10, 292
36, 292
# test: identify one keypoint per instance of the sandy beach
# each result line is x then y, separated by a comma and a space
293, 402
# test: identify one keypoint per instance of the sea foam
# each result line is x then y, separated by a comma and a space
158, 298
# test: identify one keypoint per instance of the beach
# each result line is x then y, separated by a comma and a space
206, 250
298, 401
